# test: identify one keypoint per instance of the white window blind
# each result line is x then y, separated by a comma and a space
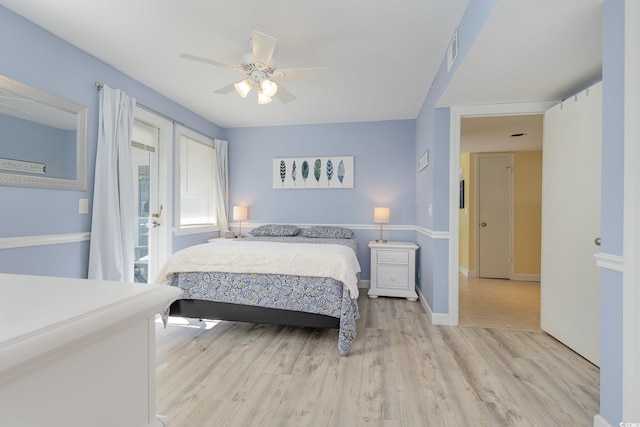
197, 182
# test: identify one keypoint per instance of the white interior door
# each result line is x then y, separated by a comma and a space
570, 280
147, 209
495, 205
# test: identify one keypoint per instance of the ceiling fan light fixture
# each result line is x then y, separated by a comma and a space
269, 88
243, 87
263, 99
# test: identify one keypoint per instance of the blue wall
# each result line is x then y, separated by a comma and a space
384, 166
36, 57
611, 344
432, 184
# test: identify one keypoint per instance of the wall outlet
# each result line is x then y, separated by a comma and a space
83, 206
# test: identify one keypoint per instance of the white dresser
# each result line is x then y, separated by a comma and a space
78, 353
393, 270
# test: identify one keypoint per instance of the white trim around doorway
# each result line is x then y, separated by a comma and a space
456, 114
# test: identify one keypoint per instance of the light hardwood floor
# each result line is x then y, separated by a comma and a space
401, 371
496, 303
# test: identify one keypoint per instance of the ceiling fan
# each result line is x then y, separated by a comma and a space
260, 70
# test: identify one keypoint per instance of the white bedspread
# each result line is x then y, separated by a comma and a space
237, 256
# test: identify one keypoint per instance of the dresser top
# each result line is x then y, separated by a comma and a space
392, 245
40, 313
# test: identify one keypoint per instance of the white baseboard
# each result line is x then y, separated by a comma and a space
467, 273
526, 277
435, 318
599, 421
364, 284
442, 319
424, 304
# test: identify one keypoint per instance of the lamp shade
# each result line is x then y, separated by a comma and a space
269, 88
243, 87
263, 98
240, 213
381, 215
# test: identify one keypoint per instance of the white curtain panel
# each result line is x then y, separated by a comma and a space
222, 193
111, 254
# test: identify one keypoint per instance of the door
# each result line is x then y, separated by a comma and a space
495, 206
570, 280
147, 211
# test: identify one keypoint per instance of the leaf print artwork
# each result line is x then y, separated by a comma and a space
283, 171
329, 171
317, 170
305, 171
341, 172
294, 172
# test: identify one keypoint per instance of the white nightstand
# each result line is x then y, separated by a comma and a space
393, 270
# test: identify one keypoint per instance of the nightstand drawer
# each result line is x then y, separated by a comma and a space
393, 257
393, 277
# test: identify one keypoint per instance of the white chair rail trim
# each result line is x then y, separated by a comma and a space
430, 233
41, 240
609, 261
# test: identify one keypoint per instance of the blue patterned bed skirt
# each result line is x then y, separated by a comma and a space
318, 295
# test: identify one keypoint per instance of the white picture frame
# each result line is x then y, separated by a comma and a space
313, 173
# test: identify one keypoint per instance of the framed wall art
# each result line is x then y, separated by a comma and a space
312, 172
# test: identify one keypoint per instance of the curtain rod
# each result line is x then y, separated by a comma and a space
100, 85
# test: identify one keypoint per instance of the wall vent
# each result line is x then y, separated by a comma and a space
452, 51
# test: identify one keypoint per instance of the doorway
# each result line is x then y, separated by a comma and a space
147, 210
150, 153
508, 148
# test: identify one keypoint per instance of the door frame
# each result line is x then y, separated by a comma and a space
477, 210
165, 173
631, 243
456, 114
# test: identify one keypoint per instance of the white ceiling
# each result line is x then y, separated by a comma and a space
382, 56
492, 134
531, 50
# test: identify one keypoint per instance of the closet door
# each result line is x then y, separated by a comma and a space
570, 280
495, 214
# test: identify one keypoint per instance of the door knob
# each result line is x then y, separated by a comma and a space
597, 241
483, 224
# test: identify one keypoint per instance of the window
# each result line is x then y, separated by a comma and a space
197, 174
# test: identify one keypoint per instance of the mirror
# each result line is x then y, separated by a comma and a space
43, 139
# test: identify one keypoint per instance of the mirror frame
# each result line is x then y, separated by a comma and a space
80, 183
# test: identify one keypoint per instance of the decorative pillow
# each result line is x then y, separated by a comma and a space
275, 230
328, 232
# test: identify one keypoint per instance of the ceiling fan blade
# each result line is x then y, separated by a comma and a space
284, 95
303, 73
206, 61
263, 47
226, 89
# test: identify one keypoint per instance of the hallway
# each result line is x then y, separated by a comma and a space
496, 303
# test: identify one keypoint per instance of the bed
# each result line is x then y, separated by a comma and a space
279, 275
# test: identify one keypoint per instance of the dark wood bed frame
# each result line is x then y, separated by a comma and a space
202, 309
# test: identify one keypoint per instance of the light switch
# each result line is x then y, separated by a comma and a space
83, 206
430, 209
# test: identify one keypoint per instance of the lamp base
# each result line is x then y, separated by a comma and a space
381, 241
